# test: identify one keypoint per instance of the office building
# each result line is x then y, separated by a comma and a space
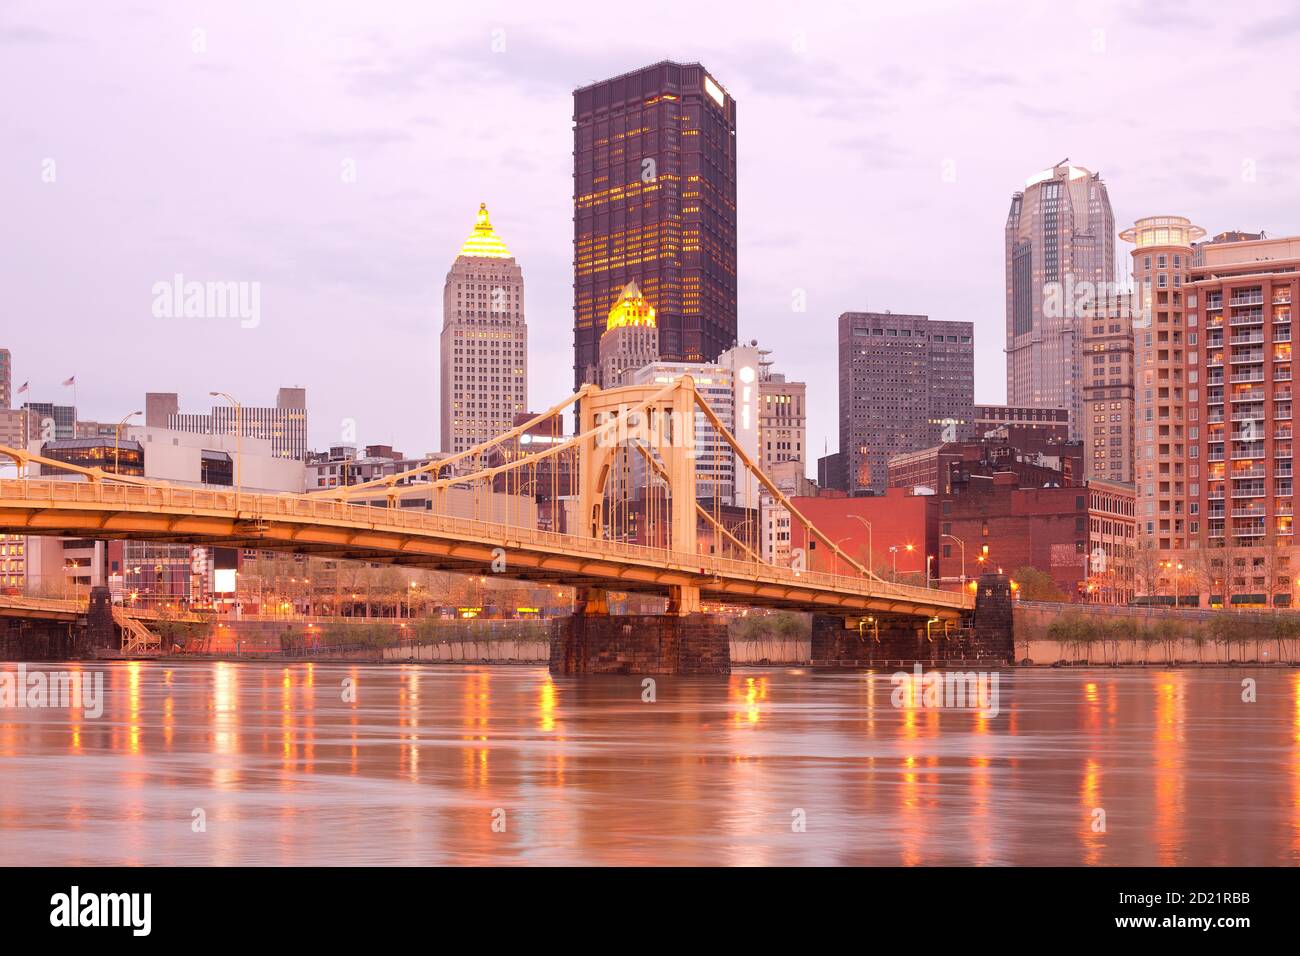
654, 202
284, 424
731, 388
906, 383
630, 340
484, 344
1108, 387
1060, 232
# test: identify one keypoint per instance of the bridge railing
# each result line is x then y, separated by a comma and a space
251, 507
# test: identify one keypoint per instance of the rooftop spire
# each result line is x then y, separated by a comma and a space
483, 242
631, 309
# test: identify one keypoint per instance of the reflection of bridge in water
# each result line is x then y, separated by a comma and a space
635, 524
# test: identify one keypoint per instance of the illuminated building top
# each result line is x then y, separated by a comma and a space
483, 242
1162, 231
631, 310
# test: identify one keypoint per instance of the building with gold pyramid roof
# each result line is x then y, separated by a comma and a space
484, 345
631, 338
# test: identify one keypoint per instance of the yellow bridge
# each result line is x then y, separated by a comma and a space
635, 444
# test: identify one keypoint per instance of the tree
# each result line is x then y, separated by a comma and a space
1036, 585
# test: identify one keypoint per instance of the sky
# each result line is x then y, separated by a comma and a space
335, 154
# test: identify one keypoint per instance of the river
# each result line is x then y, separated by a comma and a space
260, 763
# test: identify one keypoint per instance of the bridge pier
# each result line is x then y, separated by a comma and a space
885, 639
641, 644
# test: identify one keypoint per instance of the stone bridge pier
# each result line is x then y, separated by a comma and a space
985, 637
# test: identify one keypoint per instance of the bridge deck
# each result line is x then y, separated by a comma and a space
330, 528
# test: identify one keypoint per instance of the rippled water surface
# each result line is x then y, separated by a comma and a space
505, 765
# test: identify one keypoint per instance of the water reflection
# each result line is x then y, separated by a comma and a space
409, 764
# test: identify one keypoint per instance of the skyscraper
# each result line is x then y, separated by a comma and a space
484, 366
630, 341
1165, 381
1107, 385
1243, 294
1060, 232
654, 201
906, 383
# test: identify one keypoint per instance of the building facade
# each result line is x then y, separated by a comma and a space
731, 388
1240, 501
654, 201
1060, 232
906, 383
1164, 339
630, 340
782, 419
6, 380
484, 344
284, 424
1108, 387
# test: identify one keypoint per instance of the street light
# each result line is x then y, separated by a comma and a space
239, 431
117, 441
961, 544
835, 568
871, 548
1172, 566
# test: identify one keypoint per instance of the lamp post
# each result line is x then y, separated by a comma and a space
239, 431
117, 441
871, 548
893, 554
835, 568
961, 544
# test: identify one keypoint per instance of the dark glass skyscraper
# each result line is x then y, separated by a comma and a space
654, 202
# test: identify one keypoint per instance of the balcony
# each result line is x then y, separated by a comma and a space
1247, 317
1254, 356
1252, 490
1247, 298
1246, 338
1281, 296
1242, 378
1248, 511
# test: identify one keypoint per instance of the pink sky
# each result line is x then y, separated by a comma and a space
226, 163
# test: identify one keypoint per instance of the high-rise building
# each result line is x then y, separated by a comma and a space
1107, 430
6, 380
1165, 381
906, 383
284, 425
484, 366
731, 388
782, 418
1060, 232
654, 201
1241, 501
630, 340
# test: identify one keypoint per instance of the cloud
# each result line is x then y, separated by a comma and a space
29, 36
1271, 28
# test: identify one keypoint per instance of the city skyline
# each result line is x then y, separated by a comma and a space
350, 269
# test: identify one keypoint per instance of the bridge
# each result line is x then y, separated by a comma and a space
634, 521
